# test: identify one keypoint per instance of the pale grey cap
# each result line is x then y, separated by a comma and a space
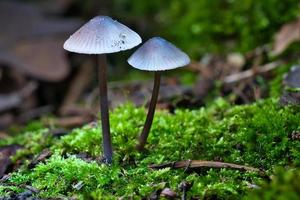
157, 54
102, 35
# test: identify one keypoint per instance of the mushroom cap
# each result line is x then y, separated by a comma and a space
157, 54
102, 35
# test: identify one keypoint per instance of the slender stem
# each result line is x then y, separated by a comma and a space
151, 111
107, 146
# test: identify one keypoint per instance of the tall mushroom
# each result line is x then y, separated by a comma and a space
156, 55
103, 35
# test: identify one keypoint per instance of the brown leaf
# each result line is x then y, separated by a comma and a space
43, 59
5, 153
288, 34
28, 21
168, 193
46, 153
32, 42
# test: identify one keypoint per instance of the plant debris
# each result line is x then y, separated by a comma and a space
196, 164
288, 34
168, 193
5, 153
223, 132
46, 153
251, 72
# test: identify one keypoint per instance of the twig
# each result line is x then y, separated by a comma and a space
251, 72
195, 164
46, 153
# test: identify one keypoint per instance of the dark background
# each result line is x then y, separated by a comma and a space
39, 78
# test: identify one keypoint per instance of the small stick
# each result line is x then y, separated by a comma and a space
195, 164
251, 72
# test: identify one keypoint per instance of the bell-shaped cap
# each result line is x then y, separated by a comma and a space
157, 54
102, 35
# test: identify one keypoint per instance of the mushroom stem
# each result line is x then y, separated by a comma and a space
151, 111
107, 146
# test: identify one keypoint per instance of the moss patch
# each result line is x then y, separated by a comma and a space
256, 135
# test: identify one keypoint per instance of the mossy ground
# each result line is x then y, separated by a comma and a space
257, 135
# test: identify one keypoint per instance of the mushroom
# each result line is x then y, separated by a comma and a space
156, 55
103, 35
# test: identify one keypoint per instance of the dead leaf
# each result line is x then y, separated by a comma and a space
46, 153
28, 22
32, 42
43, 59
288, 34
5, 153
168, 193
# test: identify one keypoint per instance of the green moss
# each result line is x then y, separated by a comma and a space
284, 185
32, 142
218, 26
5, 191
256, 135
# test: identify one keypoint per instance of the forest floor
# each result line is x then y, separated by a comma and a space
227, 125
263, 136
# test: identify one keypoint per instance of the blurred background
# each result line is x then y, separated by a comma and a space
240, 50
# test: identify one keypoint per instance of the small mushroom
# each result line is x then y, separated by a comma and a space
156, 55
103, 35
